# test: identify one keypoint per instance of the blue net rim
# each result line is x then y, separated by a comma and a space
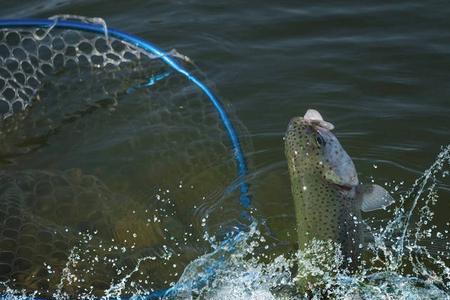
153, 49
242, 169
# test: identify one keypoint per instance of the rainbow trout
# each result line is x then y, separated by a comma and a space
326, 191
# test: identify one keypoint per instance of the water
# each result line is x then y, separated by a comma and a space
379, 72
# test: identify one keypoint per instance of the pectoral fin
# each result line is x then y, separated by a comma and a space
373, 197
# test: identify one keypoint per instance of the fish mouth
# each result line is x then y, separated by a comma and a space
343, 187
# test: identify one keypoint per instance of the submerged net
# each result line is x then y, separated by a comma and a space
29, 55
111, 162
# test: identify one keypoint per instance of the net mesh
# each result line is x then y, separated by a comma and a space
29, 55
133, 129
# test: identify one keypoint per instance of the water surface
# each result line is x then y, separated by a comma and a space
379, 72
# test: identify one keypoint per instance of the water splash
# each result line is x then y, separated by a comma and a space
399, 262
405, 260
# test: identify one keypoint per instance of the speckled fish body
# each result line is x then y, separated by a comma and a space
327, 195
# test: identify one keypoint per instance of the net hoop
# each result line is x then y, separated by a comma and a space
239, 157
151, 48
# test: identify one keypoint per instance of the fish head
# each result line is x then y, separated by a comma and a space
313, 150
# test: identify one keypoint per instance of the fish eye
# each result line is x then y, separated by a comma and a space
320, 140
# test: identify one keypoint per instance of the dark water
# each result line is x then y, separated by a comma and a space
378, 71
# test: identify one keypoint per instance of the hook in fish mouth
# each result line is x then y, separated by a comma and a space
314, 118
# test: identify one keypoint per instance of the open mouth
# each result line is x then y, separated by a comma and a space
340, 187
344, 187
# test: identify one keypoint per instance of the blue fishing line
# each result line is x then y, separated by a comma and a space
242, 169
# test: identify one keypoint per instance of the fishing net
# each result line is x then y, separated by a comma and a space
29, 55
102, 138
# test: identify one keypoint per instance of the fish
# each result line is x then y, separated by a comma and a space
328, 197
